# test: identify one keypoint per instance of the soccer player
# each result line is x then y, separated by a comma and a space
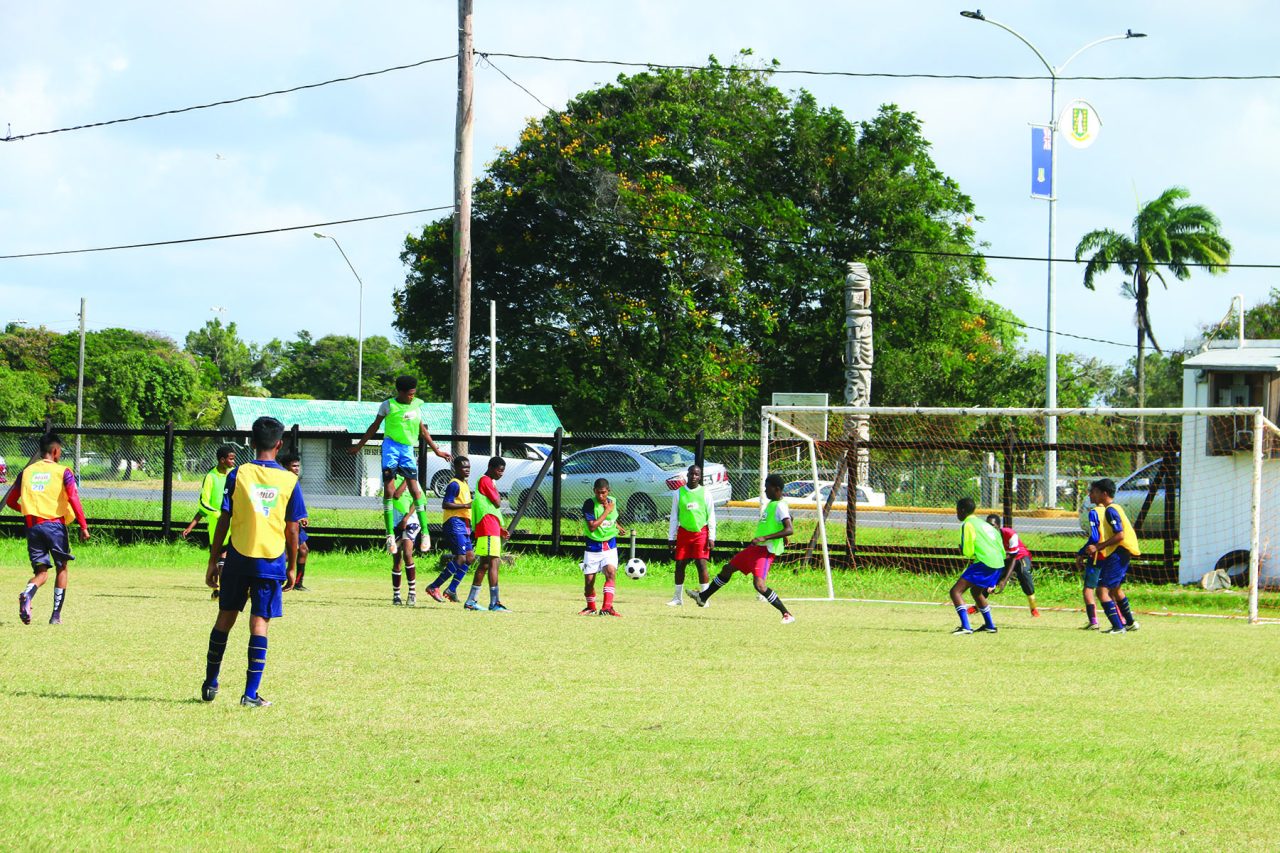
407, 527
457, 532
1017, 562
486, 519
403, 414
261, 509
211, 495
1110, 557
602, 528
45, 493
981, 544
292, 463
691, 532
772, 531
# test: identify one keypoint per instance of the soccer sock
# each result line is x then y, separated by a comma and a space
30, 591
413, 578
1092, 610
58, 596
459, 575
442, 577
213, 663
1123, 604
388, 516
608, 597
493, 595
986, 616
964, 616
679, 596
591, 601
772, 597
257, 663
302, 570
710, 589
474, 594
395, 581
1113, 614
703, 587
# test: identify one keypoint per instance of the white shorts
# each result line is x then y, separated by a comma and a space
410, 534
594, 562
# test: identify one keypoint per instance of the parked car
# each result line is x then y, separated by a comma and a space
521, 459
4, 471
1132, 491
641, 479
802, 490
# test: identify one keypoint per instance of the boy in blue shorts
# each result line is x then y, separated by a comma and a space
292, 463
403, 416
1110, 556
457, 532
261, 509
981, 544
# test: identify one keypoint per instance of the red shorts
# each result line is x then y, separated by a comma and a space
692, 546
753, 560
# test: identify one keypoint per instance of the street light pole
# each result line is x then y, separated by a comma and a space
359, 320
1050, 335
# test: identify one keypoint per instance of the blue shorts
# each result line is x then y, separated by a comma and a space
302, 534
457, 537
265, 595
399, 459
1113, 569
47, 545
981, 575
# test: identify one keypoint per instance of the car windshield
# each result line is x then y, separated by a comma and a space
797, 489
670, 458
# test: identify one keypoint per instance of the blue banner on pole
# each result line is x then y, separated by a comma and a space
1042, 162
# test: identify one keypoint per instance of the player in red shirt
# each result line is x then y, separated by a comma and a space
486, 517
1017, 562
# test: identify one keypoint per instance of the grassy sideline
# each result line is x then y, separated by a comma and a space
862, 726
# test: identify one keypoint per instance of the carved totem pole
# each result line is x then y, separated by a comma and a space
859, 355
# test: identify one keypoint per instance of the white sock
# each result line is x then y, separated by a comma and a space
679, 592
705, 587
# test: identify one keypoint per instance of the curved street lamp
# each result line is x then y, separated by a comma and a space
360, 321
1050, 344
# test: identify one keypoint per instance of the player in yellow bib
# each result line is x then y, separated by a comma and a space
1112, 543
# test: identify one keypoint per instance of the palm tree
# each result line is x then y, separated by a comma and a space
1165, 234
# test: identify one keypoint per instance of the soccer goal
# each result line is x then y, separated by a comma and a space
876, 488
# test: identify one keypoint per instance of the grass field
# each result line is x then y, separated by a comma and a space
862, 726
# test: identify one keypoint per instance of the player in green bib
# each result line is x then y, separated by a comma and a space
691, 531
211, 489
982, 545
404, 424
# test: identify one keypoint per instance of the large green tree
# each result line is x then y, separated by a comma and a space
223, 348
325, 368
1166, 236
670, 249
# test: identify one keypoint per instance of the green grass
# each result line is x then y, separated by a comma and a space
862, 726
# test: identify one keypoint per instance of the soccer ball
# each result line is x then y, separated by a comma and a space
636, 568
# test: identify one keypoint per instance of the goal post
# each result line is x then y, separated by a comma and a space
1200, 486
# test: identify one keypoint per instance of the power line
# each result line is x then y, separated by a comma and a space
891, 75
227, 101
226, 236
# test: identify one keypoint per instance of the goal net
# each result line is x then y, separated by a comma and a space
1201, 488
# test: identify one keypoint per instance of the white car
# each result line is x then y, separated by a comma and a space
802, 490
521, 459
4, 471
641, 478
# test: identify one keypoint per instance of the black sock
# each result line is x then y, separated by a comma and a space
58, 596
772, 597
302, 570
213, 662
716, 583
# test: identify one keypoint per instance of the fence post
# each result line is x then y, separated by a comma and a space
166, 501
1170, 476
557, 469
48, 426
293, 440
699, 451
1006, 485
851, 500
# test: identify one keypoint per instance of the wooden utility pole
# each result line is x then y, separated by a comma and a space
461, 385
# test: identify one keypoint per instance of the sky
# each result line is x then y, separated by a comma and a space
385, 144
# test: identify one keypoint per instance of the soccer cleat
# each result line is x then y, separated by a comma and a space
501, 608
391, 543
609, 611
983, 629
697, 597
422, 541
587, 611
472, 606
1089, 626
300, 588
972, 610
397, 600
255, 702
962, 630
208, 691
434, 594
1114, 630
1132, 627
1035, 614
787, 618
676, 602
24, 609
451, 596
413, 601
55, 619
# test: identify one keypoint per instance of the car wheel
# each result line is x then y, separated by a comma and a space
440, 482
641, 509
